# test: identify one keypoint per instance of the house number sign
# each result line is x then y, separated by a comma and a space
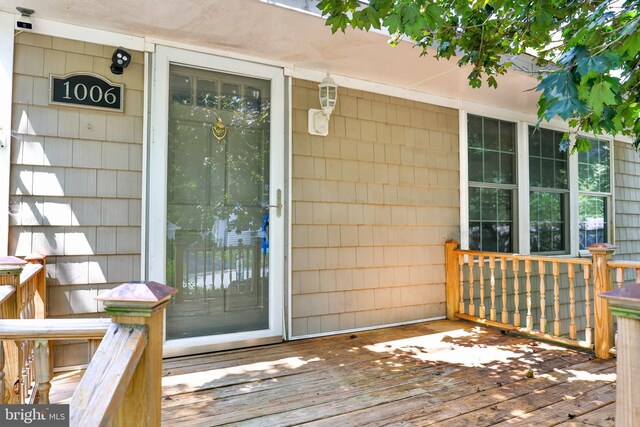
86, 90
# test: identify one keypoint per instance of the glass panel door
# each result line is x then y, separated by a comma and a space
217, 215
214, 224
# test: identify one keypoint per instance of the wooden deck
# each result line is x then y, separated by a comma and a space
446, 373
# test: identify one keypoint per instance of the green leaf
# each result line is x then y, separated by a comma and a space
631, 46
544, 14
565, 108
373, 17
491, 81
411, 13
393, 22
337, 22
601, 95
436, 13
559, 84
592, 64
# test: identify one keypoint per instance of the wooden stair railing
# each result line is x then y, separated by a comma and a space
123, 382
24, 296
40, 332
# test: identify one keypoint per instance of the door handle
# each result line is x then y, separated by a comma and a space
278, 204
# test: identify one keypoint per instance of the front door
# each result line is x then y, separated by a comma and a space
218, 140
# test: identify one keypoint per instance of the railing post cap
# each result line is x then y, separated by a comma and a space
451, 242
137, 295
11, 260
624, 301
602, 247
35, 256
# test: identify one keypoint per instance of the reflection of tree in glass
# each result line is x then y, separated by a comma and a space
547, 231
216, 187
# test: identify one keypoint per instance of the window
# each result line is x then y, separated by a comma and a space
492, 183
542, 202
549, 192
594, 184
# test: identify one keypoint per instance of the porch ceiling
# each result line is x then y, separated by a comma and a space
286, 37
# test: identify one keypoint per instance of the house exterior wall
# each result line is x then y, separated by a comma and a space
627, 201
372, 204
75, 188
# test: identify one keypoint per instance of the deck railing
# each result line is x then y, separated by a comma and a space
22, 296
553, 298
122, 384
39, 333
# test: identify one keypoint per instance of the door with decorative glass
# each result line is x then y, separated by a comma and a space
222, 223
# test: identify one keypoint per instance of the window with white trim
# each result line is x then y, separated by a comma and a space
560, 210
492, 183
548, 192
594, 199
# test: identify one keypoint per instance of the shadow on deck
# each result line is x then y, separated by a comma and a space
448, 373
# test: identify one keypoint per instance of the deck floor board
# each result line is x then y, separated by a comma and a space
442, 373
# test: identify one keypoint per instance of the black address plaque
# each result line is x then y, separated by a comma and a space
86, 90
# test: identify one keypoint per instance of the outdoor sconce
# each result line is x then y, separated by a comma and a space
319, 119
120, 60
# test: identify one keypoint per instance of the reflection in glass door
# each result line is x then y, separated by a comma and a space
217, 228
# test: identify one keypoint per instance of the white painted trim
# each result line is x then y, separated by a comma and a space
368, 328
523, 217
612, 182
289, 209
464, 179
145, 177
85, 34
574, 218
157, 196
379, 88
514, 116
6, 98
157, 170
194, 345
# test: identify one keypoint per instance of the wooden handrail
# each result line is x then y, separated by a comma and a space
29, 271
102, 389
53, 329
510, 256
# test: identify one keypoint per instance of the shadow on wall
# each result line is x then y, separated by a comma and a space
65, 205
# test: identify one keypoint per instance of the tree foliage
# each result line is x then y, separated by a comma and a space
588, 50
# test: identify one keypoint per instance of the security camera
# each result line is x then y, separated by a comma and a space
120, 60
24, 21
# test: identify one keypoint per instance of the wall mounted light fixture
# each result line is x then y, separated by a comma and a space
319, 119
120, 60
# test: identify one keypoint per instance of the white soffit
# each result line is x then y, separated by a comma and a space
286, 37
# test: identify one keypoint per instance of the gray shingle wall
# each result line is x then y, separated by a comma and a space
75, 176
627, 201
